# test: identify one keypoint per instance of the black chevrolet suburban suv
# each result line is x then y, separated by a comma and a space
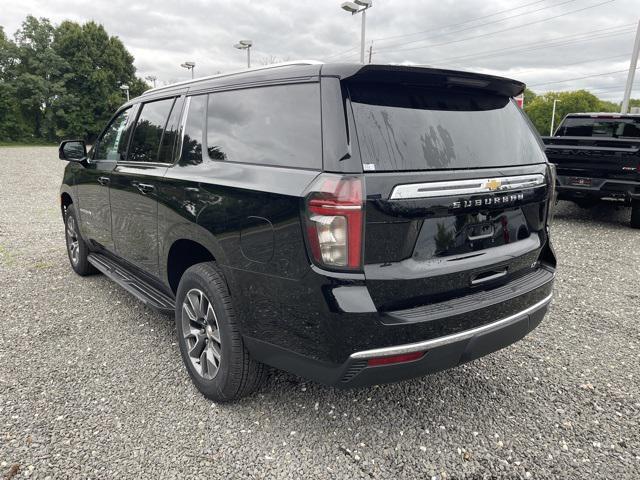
597, 156
349, 224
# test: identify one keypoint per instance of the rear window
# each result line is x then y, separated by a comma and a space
600, 127
413, 128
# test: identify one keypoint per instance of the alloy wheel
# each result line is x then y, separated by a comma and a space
73, 243
201, 334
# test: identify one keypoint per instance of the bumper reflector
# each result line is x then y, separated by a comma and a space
407, 357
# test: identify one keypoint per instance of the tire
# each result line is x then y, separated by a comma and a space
209, 337
77, 249
635, 213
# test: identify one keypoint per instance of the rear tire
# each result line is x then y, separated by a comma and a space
77, 249
635, 213
209, 336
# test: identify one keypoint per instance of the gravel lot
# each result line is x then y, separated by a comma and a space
92, 385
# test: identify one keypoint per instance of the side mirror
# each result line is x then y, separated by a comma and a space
72, 151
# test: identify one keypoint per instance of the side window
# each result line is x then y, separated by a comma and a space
112, 145
277, 125
145, 143
193, 130
170, 133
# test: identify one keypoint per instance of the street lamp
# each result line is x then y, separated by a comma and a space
359, 6
189, 66
553, 116
126, 89
245, 45
152, 79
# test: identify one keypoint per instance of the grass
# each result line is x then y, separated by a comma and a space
26, 144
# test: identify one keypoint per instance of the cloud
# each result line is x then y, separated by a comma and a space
587, 36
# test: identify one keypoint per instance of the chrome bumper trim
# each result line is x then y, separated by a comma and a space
448, 339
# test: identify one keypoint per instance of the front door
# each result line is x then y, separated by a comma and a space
92, 182
135, 183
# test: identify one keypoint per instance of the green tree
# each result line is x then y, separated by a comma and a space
37, 76
61, 81
540, 108
97, 65
529, 96
12, 124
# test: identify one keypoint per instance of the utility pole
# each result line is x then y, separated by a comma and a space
632, 71
370, 51
553, 117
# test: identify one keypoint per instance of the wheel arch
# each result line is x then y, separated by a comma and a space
182, 254
65, 201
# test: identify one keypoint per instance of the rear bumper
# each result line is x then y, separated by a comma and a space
444, 352
441, 353
599, 188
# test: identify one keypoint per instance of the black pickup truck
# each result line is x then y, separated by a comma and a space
597, 156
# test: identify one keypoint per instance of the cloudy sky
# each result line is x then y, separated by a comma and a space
549, 44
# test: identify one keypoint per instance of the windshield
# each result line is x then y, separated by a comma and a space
415, 128
600, 127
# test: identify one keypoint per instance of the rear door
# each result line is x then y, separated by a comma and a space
92, 181
456, 192
135, 183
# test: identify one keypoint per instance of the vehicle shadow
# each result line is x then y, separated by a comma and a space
605, 212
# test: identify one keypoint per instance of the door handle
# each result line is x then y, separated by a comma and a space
103, 181
144, 188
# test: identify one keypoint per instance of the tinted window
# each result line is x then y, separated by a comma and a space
147, 135
413, 128
277, 125
600, 127
112, 145
193, 131
170, 133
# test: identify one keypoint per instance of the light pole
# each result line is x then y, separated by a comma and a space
245, 45
189, 66
632, 71
359, 6
152, 79
126, 90
553, 116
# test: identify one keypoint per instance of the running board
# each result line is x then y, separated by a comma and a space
137, 286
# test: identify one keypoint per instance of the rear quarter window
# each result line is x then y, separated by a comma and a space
413, 128
275, 125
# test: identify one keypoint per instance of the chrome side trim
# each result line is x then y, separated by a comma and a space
448, 339
466, 187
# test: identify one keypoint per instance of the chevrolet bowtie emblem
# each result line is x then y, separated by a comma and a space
493, 185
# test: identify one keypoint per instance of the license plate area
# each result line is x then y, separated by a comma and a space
580, 181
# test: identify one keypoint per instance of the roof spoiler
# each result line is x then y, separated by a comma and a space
427, 77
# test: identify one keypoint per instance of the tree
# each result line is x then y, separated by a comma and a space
61, 81
97, 65
540, 108
37, 76
12, 124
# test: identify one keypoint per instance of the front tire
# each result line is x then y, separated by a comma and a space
635, 213
209, 336
77, 248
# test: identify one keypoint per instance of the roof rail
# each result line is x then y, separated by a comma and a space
237, 72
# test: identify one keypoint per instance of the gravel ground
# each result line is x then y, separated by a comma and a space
92, 385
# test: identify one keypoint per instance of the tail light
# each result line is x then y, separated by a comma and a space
334, 221
553, 194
